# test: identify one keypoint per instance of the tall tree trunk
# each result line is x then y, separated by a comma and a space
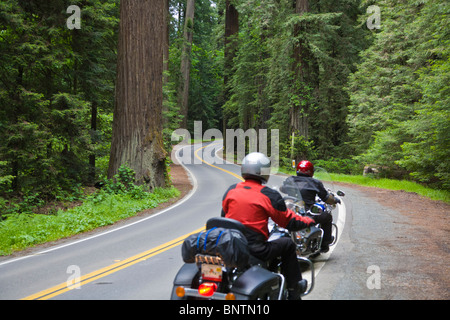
231, 29
137, 128
17, 107
183, 95
166, 38
299, 114
166, 57
92, 174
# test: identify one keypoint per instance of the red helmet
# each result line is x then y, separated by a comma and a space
305, 167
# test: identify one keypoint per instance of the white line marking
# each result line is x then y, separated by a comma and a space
189, 195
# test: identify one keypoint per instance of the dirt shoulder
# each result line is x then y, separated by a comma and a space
426, 226
426, 223
180, 180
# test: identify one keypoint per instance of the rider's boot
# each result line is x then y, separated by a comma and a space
295, 294
326, 246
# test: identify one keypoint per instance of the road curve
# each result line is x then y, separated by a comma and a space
134, 261
44, 274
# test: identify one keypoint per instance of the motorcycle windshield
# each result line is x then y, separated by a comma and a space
323, 175
303, 191
290, 190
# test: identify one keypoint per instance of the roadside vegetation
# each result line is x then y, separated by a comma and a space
340, 93
383, 183
392, 184
118, 199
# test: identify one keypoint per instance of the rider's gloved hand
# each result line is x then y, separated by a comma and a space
311, 221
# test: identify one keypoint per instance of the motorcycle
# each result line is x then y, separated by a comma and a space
308, 240
212, 272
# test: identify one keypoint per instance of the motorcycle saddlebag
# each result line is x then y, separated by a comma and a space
257, 283
229, 244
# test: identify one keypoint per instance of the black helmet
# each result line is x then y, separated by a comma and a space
257, 166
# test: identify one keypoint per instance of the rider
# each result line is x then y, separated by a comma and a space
309, 188
253, 204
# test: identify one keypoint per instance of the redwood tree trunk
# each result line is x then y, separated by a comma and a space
137, 128
183, 96
231, 29
298, 114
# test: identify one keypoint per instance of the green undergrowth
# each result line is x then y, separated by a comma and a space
392, 184
389, 184
21, 231
118, 199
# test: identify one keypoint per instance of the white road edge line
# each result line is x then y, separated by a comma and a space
342, 211
189, 195
318, 265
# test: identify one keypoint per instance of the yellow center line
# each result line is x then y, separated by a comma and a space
64, 287
209, 164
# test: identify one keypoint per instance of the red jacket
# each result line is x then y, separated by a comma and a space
252, 204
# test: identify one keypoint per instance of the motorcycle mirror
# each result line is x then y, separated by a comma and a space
316, 209
340, 193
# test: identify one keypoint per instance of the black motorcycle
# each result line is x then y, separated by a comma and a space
219, 267
308, 240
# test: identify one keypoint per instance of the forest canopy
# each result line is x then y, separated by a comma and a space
341, 93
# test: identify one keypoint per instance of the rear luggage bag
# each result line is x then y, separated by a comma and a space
229, 244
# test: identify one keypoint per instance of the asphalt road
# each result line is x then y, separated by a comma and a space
139, 260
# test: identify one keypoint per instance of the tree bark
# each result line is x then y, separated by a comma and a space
137, 127
183, 97
166, 57
298, 114
166, 39
231, 29
94, 112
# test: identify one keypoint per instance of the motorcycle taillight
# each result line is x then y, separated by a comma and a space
207, 289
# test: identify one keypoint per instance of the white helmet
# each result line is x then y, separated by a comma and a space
257, 166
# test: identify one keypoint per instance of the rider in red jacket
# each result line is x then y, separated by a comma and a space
253, 204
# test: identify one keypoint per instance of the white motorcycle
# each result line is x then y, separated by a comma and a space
308, 240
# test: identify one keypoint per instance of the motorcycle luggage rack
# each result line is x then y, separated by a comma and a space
201, 258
